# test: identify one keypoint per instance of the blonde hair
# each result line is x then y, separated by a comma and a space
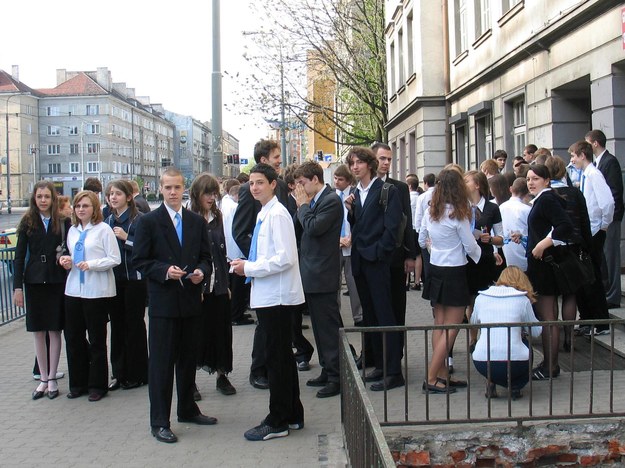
515, 278
97, 216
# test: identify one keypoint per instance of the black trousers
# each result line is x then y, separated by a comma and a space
374, 289
129, 343
303, 349
284, 403
591, 300
325, 315
173, 350
87, 359
398, 298
240, 296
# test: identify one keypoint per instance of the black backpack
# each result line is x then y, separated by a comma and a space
404, 219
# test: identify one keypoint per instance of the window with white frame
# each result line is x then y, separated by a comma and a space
73, 130
54, 168
93, 109
410, 37
53, 130
93, 148
74, 168
393, 71
400, 59
93, 166
519, 127
73, 148
508, 4
462, 144
52, 111
461, 26
484, 137
482, 16
54, 149
93, 129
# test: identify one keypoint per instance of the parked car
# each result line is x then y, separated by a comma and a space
8, 242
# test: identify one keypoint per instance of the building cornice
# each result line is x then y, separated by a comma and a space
417, 103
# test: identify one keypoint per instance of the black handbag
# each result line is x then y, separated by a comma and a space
572, 268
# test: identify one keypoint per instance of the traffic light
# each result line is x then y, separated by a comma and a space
320, 155
235, 157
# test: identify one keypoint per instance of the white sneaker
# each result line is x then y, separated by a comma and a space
59, 375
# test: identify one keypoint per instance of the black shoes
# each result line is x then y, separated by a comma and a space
131, 385
374, 375
196, 394
391, 381
224, 386
243, 321
200, 419
93, 396
303, 366
613, 306
331, 389
542, 372
260, 382
37, 394
76, 394
114, 385
164, 434
320, 381
52, 394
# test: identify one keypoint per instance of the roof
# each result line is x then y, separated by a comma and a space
79, 85
9, 85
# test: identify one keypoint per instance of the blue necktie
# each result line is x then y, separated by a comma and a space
79, 253
179, 227
583, 182
343, 230
252, 256
312, 203
473, 216
46, 223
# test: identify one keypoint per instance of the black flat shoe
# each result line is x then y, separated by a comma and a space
374, 375
200, 419
164, 434
259, 382
131, 385
392, 381
331, 389
436, 388
453, 383
224, 386
320, 381
37, 394
93, 396
75, 394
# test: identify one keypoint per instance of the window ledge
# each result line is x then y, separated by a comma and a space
460, 57
401, 89
480, 40
411, 78
511, 13
393, 98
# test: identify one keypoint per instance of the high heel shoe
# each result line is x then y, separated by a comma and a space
52, 394
37, 394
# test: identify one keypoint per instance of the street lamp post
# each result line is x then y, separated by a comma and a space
7, 155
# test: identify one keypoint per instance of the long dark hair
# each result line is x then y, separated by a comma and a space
127, 190
450, 190
32, 216
204, 183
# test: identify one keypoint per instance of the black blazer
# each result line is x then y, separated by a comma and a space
611, 170
40, 245
374, 231
156, 248
409, 247
217, 241
142, 204
245, 216
548, 211
320, 256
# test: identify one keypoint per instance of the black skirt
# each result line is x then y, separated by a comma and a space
215, 348
447, 286
541, 276
481, 275
45, 306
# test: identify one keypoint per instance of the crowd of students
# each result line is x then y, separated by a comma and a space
476, 242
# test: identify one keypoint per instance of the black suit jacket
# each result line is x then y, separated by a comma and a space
408, 249
320, 257
245, 216
374, 231
38, 243
611, 170
156, 248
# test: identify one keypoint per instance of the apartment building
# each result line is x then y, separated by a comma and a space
500, 74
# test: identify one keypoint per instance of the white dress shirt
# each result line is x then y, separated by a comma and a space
423, 202
451, 240
228, 208
101, 254
502, 304
514, 215
414, 196
599, 199
275, 273
364, 191
346, 251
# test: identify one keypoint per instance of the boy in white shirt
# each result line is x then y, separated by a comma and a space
514, 213
276, 292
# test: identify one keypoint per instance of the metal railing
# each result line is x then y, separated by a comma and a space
576, 394
8, 311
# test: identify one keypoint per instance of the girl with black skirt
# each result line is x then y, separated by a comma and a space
548, 225
215, 352
446, 232
39, 281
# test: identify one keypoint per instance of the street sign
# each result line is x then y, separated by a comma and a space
327, 157
243, 161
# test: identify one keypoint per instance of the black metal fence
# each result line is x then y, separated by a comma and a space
8, 310
591, 374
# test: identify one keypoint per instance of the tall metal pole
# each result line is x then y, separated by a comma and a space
217, 159
82, 156
8, 162
282, 122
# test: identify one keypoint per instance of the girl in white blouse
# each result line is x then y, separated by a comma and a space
89, 292
498, 348
446, 232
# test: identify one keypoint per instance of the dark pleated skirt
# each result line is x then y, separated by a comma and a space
447, 286
481, 275
215, 348
542, 277
45, 306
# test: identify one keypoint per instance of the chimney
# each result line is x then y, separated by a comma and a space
15, 72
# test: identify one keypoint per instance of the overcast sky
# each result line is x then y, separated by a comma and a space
162, 48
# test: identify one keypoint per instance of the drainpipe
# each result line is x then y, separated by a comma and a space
446, 80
